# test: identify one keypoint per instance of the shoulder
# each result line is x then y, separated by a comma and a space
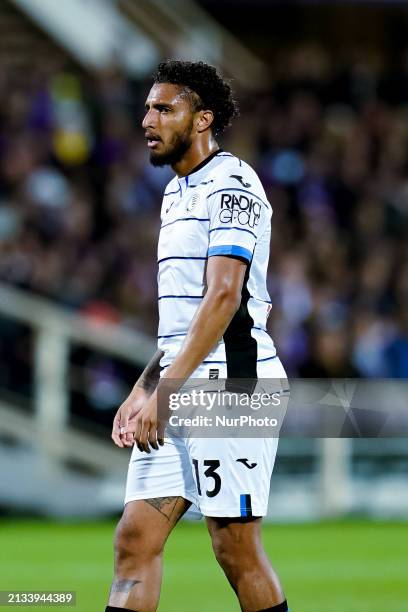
170, 192
234, 174
172, 187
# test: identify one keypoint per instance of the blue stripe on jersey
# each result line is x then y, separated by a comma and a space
172, 192
171, 336
195, 297
209, 361
243, 190
252, 297
202, 183
239, 229
184, 219
264, 359
181, 257
230, 249
242, 503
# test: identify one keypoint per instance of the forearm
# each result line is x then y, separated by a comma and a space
150, 376
207, 328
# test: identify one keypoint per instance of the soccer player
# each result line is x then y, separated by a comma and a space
213, 304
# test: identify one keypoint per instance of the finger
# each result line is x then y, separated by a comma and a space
117, 440
128, 439
137, 433
115, 423
152, 437
160, 432
122, 430
144, 435
124, 420
137, 428
116, 432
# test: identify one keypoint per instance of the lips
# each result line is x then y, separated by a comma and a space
152, 140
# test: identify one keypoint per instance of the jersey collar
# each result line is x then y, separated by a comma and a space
183, 181
204, 162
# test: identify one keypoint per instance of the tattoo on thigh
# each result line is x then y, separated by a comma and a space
123, 586
165, 505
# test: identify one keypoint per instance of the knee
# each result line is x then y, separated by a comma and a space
134, 542
238, 549
227, 554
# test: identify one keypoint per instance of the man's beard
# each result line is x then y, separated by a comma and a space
179, 147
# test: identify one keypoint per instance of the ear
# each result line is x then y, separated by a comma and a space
204, 120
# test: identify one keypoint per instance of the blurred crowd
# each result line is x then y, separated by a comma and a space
79, 202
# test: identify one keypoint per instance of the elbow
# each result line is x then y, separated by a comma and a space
228, 300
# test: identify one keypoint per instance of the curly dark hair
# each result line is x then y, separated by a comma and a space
212, 91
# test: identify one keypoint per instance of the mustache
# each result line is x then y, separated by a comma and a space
150, 136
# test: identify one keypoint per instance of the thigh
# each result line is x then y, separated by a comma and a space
235, 535
165, 473
146, 524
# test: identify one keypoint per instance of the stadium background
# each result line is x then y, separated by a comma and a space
323, 89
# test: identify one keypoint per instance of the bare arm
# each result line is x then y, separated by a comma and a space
151, 374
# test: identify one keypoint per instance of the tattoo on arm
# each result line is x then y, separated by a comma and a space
151, 374
166, 505
123, 585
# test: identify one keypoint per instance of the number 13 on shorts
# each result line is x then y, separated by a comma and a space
210, 467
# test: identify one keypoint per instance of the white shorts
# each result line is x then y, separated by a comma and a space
222, 477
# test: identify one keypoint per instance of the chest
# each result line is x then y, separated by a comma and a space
185, 225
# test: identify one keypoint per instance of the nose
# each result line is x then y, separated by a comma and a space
148, 120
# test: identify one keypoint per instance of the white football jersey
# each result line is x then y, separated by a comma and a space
218, 209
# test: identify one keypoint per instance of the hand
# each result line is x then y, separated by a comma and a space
126, 415
147, 428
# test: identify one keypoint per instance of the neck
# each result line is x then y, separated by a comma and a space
200, 149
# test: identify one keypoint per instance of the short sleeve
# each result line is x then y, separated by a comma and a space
236, 214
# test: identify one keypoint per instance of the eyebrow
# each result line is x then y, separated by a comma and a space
158, 105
